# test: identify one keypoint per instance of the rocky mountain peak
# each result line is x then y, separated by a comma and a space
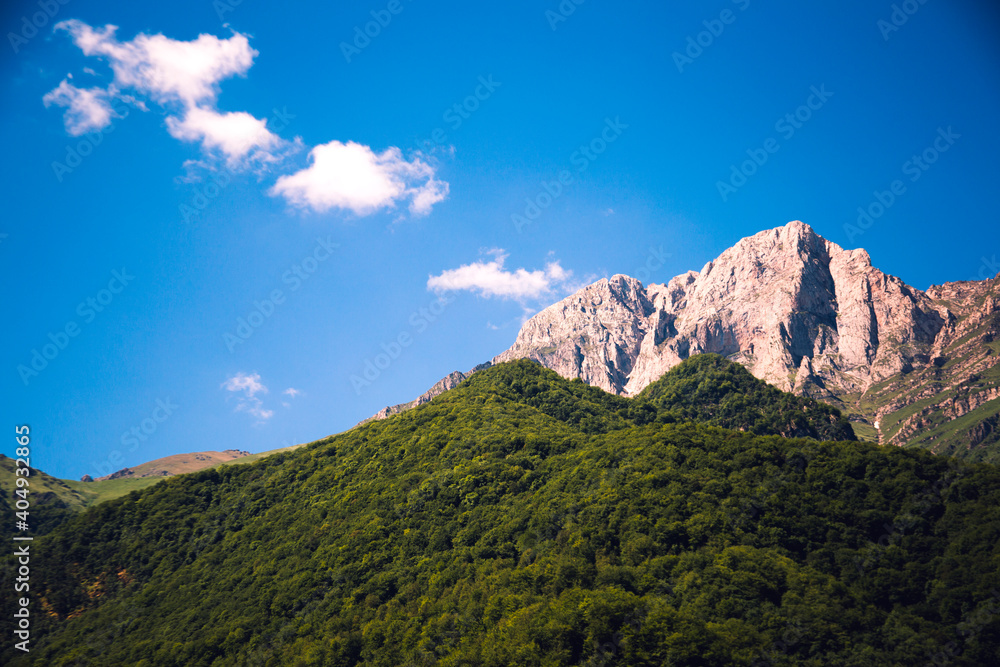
797, 310
803, 314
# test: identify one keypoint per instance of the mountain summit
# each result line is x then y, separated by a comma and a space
805, 315
795, 309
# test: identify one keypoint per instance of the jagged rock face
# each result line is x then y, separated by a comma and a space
595, 335
797, 310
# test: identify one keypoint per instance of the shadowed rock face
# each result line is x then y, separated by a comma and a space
797, 310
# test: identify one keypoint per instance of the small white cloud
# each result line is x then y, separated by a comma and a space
237, 135
432, 192
87, 109
256, 410
489, 279
353, 177
249, 386
292, 391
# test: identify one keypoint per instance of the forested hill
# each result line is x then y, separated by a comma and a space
522, 519
709, 388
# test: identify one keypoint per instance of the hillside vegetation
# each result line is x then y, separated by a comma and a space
53, 500
522, 519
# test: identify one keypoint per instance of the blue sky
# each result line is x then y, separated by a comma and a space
184, 170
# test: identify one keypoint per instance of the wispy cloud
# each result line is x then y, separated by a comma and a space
87, 109
491, 279
353, 177
292, 391
249, 386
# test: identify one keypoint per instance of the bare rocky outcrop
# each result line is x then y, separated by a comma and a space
450, 381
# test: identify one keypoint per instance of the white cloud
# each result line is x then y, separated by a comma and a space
237, 135
87, 109
169, 70
184, 78
250, 386
181, 76
353, 177
292, 391
432, 192
491, 280
255, 409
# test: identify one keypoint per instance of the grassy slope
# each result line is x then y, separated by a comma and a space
42, 486
109, 489
179, 464
52, 500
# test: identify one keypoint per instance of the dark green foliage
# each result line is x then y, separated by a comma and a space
709, 388
521, 519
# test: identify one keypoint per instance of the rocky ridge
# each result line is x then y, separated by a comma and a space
799, 312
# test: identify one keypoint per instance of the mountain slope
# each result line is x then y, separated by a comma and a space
524, 519
52, 500
807, 316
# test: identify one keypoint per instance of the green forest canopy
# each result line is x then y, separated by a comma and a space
522, 519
